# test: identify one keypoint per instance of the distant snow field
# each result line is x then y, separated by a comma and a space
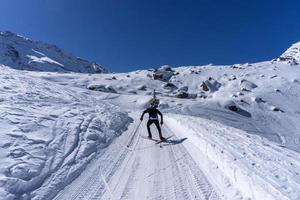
234, 131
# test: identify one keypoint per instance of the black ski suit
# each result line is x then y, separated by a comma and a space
153, 118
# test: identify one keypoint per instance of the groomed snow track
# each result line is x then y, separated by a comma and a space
144, 171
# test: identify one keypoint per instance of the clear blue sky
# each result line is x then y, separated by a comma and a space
125, 35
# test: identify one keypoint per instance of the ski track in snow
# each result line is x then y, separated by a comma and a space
148, 171
201, 160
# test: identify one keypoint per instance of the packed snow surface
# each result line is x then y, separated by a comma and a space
232, 131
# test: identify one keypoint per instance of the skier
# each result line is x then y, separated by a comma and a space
153, 118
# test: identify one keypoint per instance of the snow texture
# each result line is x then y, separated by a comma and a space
50, 132
233, 130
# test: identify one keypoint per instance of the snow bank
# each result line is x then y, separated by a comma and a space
240, 165
50, 132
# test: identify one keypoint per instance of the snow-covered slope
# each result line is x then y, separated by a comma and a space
49, 133
233, 133
260, 98
22, 53
292, 55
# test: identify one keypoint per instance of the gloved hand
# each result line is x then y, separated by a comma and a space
161, 122
141, 119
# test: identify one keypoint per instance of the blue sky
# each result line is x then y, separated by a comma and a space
125, 35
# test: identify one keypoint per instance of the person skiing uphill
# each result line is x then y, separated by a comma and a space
153, 118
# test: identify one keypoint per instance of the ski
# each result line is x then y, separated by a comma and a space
147, 138
129, 143
162, 141
158, 142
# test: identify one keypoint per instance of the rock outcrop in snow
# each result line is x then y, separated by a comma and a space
164, 73
210, 85
102, 88
22, 53
247, 85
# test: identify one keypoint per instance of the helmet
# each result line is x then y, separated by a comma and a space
154, 103
153, 106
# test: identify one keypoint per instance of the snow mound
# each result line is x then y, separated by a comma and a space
142, 87
185, 95
25, 54
102, 88
258, 100
246, 85
169, 86
231, 105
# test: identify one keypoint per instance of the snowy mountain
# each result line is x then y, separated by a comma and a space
233, 133
22, 53
292, 54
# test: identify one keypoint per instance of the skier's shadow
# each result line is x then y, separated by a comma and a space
173, 142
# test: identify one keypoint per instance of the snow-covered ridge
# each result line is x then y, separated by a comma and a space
22, 53
292, 54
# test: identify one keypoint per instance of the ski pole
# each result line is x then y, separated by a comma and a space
134, 133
